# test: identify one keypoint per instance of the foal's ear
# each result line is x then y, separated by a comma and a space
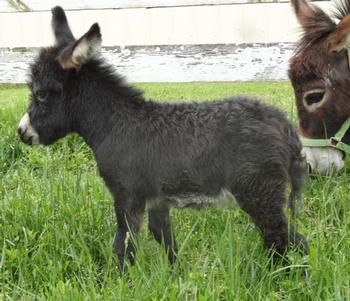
60, 27
82, 50
340, 38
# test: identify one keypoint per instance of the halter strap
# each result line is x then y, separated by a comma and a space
335, 141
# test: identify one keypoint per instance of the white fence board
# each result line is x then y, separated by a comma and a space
205, 43
192, 25
45, 5
177, 63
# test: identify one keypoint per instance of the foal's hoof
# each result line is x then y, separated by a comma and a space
302, 245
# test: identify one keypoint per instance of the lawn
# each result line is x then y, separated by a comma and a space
57, 225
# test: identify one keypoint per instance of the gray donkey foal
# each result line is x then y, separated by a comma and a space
159, 155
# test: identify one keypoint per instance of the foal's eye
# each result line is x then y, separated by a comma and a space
314, 98
41, 95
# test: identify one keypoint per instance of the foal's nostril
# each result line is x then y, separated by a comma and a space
21, 131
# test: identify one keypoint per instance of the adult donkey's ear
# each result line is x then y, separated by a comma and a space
312, 18
79, 52
303, 11
340, 38
60, 27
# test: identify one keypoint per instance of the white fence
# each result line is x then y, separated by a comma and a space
42, 5
185, 25
168, 22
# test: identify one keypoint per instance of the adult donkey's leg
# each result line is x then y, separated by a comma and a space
129, 214
160, 226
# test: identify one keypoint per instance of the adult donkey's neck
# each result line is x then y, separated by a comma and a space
104, 103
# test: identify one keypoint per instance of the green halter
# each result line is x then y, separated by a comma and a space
335, 141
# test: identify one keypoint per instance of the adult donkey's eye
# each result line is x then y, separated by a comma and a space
314, 99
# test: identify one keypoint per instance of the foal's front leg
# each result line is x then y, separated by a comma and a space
129, 214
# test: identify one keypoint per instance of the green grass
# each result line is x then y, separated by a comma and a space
57, 225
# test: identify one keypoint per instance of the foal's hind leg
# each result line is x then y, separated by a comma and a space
267, 212
129, 219
160, 226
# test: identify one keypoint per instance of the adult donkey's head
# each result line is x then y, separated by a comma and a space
319, 70
55, 82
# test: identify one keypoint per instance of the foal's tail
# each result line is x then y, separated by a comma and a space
297, 176
297, 172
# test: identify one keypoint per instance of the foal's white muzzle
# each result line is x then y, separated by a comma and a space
27, 133
323, 160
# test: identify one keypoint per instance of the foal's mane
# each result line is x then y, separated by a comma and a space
115, 82
320, 25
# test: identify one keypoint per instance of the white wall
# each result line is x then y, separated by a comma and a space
203, 24
42, 5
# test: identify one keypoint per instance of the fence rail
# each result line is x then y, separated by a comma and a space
197, 40
40, 5
186, 25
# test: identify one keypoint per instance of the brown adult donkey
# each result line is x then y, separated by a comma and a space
320, 75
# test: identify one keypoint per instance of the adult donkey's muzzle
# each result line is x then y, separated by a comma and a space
323, 160
26, 132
